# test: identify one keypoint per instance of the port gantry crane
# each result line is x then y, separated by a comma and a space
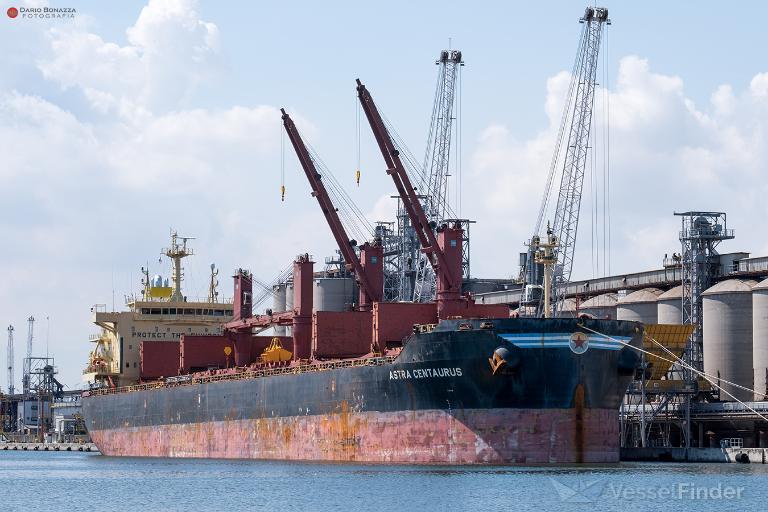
436, 162
368, 267
27, 368
578, 108
445, 261
11, 388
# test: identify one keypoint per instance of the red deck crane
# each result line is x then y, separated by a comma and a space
368, 268
442, 249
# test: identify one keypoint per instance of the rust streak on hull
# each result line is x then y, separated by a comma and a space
510, 436
578, 413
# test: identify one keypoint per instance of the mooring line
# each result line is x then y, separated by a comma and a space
685, 365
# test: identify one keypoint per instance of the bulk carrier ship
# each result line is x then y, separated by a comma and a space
499, 391
448, 381
459, 390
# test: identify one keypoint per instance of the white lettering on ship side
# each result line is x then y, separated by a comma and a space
167, 335
424, 373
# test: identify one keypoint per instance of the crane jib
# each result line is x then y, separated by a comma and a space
371, 294
405, 189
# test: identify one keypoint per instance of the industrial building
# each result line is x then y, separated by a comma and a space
42, 407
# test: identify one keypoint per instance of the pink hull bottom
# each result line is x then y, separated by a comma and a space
497, 436
500, 436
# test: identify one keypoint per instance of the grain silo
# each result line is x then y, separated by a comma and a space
760, 338
639, 306
278, 304
568, 308
289, 297
525, 311
333, 293
727, 321
288, 304
669, 306
602, 306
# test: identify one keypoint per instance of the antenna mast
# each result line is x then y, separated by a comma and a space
176, 252
213, 293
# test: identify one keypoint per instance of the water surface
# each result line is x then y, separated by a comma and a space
64, 481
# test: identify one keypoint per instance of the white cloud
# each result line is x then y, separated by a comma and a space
86, 187
384, 208
59, 142
171, 52
759, 86
666, 155
723, 100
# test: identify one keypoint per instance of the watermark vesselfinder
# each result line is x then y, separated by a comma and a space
591, 491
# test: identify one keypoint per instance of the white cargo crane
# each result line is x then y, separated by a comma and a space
577, 117
437, 162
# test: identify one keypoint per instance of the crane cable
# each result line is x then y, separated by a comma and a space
459, 120
553, 167
414, 169
685, 365
607, 147
353, 219
357, 140
593, 188
282, 164
605, 164
600, 184
282, 277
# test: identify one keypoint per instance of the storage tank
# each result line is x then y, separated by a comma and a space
568, 309
669, 306
760, 338
278, 300
602, 306
639, 306
333, 293
289, 296
727, 321
278, 304
288, 305
525, 311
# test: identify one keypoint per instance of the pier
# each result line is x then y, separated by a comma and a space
666, 454
50, 447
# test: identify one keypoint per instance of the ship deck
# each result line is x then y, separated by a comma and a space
244, 374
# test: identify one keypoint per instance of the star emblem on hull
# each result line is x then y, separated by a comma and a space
579, 342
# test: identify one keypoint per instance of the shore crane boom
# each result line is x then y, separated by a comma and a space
578, 109
369, 271
437, 159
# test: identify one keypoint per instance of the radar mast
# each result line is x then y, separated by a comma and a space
176, 252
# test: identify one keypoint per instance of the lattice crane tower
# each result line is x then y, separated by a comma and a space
437, 161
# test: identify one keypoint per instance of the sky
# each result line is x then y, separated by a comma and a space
133, 118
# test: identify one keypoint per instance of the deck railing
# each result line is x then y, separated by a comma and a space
250, 373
